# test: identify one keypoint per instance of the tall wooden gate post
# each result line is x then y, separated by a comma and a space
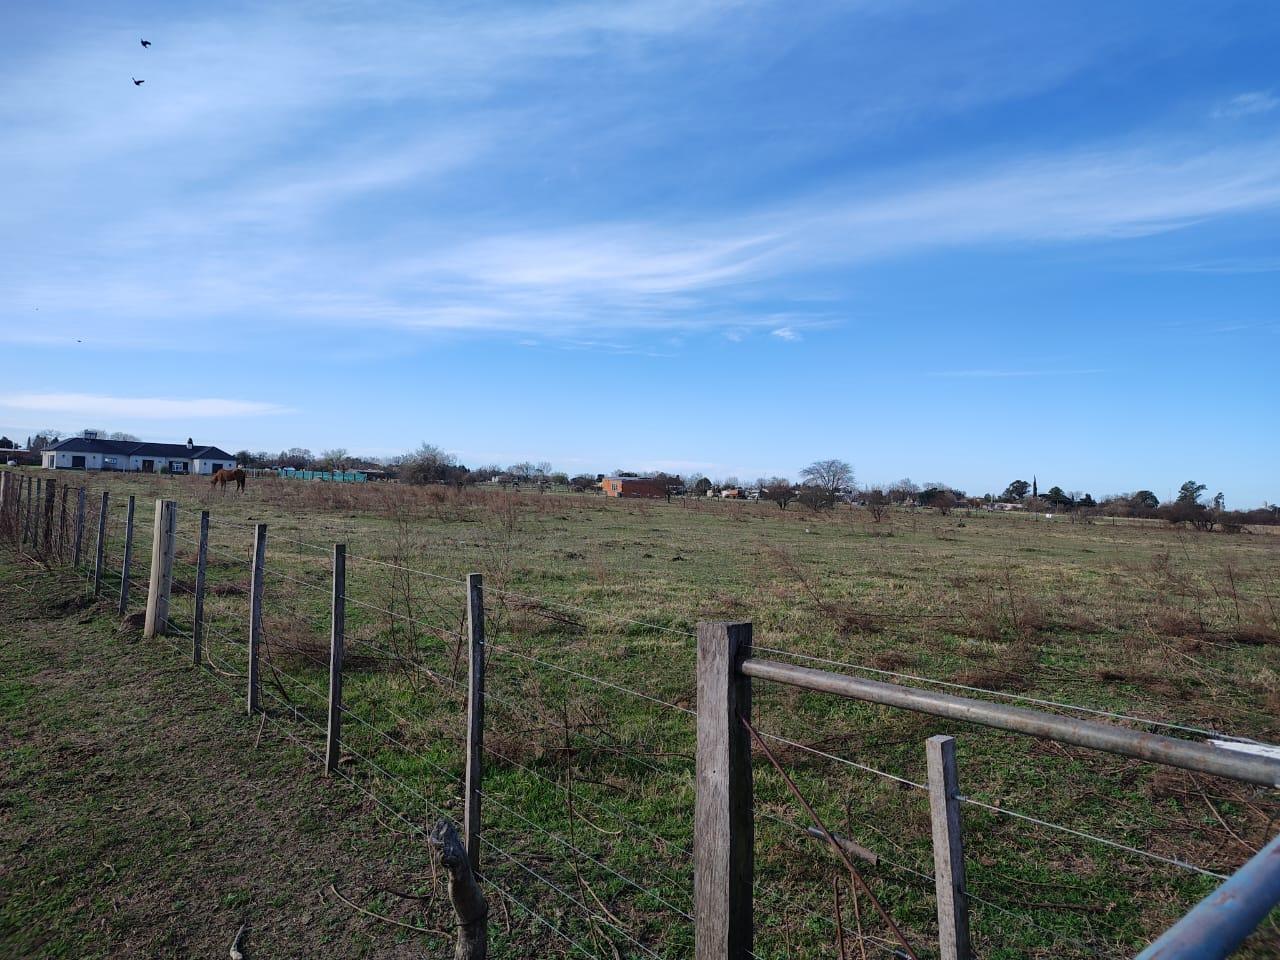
724, 821
162, 545
337, 640
202, 563
475, 717
255, 612
948, 849
79, 532
127, 560
99, 550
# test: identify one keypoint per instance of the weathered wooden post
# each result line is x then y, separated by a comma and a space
79, 532
35, 514
475, 718
5, 487
162, 547
99, 550
723, 824
26, 511
255, 612
127, 561
948, 850
337, 638
50, 493
202, 564
62, 526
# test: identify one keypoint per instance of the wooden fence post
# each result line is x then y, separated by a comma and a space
202, 564
50, 494
79, 533
948, 850
337, 638
62, 527
99, 550
26, 514
5, 482
255, 612
723, 824
475, 718
35, 514
128, 558
166, 528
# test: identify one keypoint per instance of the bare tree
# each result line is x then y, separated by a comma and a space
780, 490
877, 502
335, 459
823, 481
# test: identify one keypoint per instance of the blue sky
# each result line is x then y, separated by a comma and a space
965, 242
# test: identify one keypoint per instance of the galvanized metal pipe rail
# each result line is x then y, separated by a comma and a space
1224, 919
1187, 754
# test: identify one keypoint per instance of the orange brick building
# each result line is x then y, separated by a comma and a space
633, 487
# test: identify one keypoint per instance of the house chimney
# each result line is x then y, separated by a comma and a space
189, 443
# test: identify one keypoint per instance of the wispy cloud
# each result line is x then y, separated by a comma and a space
148, 408
1247, 105
990, 374
785, 333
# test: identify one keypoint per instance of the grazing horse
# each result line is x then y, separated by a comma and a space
225, 476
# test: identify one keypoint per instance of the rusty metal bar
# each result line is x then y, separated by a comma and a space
1187, 754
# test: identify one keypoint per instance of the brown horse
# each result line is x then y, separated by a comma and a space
225, 476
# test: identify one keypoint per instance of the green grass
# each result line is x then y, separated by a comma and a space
1131, 617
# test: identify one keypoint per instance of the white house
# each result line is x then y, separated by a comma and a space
93, 453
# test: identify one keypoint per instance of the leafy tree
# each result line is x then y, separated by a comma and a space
1016, 490
1145, 499
1059, 497
299, 458
7, 444
1219, 502
701, 486
1190, 492
583, 481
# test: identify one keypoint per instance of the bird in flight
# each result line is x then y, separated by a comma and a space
146, 43
137, 83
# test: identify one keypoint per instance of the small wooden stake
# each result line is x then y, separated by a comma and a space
475, 718
162, 544
202, 560
35, 514
723, 827
255, 612
128, 558
99, 550
948, 850
337, 638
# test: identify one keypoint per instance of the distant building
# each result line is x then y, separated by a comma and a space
133, 456
633, 487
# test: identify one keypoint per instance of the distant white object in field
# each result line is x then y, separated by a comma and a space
1048, 516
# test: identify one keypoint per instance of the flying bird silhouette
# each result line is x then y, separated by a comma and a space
146, 43
137, 83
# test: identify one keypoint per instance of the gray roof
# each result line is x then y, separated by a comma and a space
135, 448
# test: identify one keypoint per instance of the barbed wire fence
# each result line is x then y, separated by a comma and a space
587, 834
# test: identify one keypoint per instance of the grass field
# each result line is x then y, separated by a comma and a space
589, 786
